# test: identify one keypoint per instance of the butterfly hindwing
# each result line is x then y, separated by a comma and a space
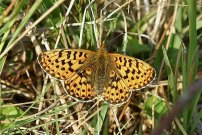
80, 87
116, 92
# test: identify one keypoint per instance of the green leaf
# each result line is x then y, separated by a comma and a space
160, 107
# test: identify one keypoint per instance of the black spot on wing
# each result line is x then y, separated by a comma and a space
60, 53
75, 54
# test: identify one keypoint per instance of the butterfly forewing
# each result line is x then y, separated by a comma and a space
135, 73
62, 64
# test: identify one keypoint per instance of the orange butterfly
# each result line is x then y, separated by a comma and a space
88, 74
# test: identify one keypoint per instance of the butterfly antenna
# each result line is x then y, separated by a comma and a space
116, 37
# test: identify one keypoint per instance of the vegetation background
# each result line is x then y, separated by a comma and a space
167, 34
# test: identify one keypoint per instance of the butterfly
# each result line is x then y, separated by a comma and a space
88, 74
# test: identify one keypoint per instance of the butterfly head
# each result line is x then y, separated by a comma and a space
102, 49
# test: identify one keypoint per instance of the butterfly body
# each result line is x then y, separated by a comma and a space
101, 69
89, 74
